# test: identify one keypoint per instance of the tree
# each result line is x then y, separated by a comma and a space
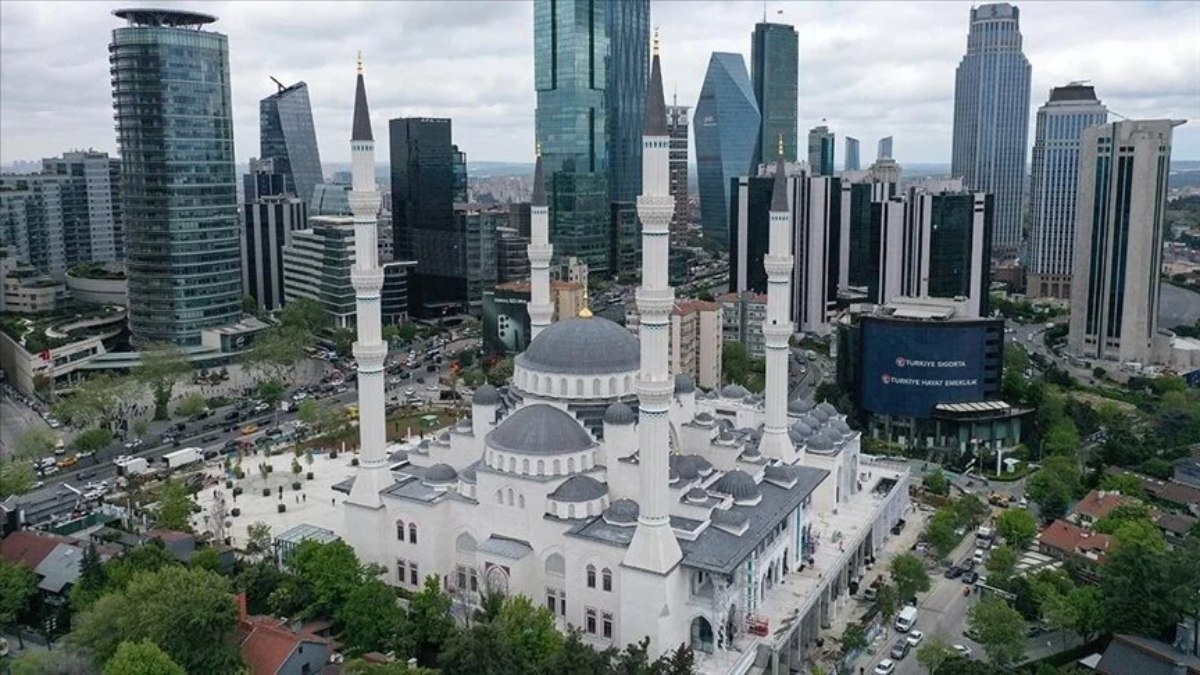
360, 667
343, 340
188, 613
735, 363
303, 314
330, 572
16, 477
258, 538
162, 365
1000, 629
500, 372
258, 581
372, 620
1001, 564
62, 660
1017, 526
271, 392
481, 649
296, 468
854, 638
969, 511
935, 483
17, 587
1123, 513
1135, 583
94, 401
1062, 439
141, 428
35, 443
1127, 484
309, 412
910, 576
175, 507
249, 304
1086, 605
577, 658
934, 653
206, 558
93, 440
531, 632
940, 532
191, 404
141, 658
149, 557
276, 351
93, 578
432, 625
886, 600
1054, 486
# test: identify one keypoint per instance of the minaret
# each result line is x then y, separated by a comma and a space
777, 328
540, 251
367, 278
654, 548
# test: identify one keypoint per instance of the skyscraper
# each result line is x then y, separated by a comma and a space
851, 161
1060, 125
269, 222
1123, 169
179, 191
628, 64
991, 117
677, 129
726, 131
946, 247
884, 149
423, 221
95, 228
570, 75
287, 138
774, 69
820, 151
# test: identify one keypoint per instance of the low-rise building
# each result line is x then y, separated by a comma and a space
1063, 540
316, 265
1096, 505
742, 316
696, 341
272, 646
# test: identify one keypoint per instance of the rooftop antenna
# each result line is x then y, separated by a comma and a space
277, 83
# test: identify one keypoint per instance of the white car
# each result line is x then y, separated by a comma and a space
409, 391
885, 667
915, 638
433, 387
963, 651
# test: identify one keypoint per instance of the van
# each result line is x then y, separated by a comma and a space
978, 557
906, 619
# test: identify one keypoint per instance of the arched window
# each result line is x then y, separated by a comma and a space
591, 576
400, 530
596, 387
499, 497
570, 465
579, 387
562, 386
556, 565
541, 467
412, 533
512, 464
557, 467
606, 579
570, 510
510, 497
465, 544
628, 382
525, 466
521, 501
612, 386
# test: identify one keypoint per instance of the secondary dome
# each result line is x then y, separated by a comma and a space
440, 473
800, 406
593, 346
540, 429
733, 391
623, 512
737, 484
486, 395
619, 413
579, 489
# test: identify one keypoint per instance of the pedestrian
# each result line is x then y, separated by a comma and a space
333, 501
305, 496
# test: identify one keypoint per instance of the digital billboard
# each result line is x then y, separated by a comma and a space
908, 367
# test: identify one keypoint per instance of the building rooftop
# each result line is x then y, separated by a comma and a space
170, 18
1132, 654
1069, 538
1099, 503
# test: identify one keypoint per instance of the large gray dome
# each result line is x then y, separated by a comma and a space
592, 346
440, 473
540, 429
827, 408
579, 489
619, 413
800, 406
799, 432
733, 391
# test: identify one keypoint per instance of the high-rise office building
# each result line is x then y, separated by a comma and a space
570, 76
94, 229
1119, 228
178, 187
851, 162
725, 128
317, 265
458, 172
423, 220
263, 181
628, 25
884, 149
1059, 127
479, 227
991, 118
677, 129
287, 138
512, 255
749, 206
820, 151
864, 213
31, 222
774, 69
268, 224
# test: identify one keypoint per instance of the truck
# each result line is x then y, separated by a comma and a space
182, 457
131, 466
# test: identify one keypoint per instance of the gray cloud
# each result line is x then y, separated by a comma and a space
870, 69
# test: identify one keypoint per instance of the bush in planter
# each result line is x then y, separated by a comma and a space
281, 507
296, 485
228, 484
333, 454
270, 468
354, 461
240, 474
235, 512
308, 476
266, 492
237, 491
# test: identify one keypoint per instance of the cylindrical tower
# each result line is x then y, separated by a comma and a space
777, 328
540, 251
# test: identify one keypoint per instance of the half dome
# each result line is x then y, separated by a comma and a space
592, 346
540, 429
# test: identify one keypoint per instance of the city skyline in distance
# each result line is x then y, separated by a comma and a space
55, 86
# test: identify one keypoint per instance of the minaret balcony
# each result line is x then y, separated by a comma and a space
365, 202
656, 302
366, 281
777, 265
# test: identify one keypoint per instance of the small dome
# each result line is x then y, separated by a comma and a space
800, 406
737, 484
619, 413
463, 424
486, 395
579, 489
685, 466
592, 346
799, 432
696, 495
730, 520
622, 512
684, 384
751, 452
468, 474
440, 473
827, 408
540, 429
704, 419
840, 426
733, 391
749, 399
702, 465
820, 415
444, 437
812, 421
726, 436
820, 443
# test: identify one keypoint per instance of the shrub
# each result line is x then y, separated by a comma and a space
281, 507
308, 476
235, 512
228, 484
296, 486
266, 492
237, 491
354, 462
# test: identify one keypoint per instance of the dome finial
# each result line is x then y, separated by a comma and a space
360, 67
585, 312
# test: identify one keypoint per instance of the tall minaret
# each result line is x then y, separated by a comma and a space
654, 548
777, 328
367, 277
540, 252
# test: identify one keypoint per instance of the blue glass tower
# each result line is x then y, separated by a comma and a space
287, 138
170, 83
991, 118
726, 128
627, 68
774, 69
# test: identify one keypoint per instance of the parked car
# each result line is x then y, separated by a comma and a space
962, 650
915, 638
953, 572
900, 648
232, 416
885, 667
970, 577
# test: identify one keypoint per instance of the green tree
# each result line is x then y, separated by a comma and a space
1127, 484
1124, 513
854, 638
271, 392
1017, 526
432, 625
149, 557
296, 468
1054, 486
1062, 439
94, 401
360, 667
206, 558
577, 658
141, 658
1135, 582
62, 660
1086, 605
141, 428
258, 538
36, 443
276, 351
1001, 564
372, 620
940, 532
191, 404
531, 632
17, 587
249, 304
934, 653
309, 412
343, 340
189, 613
16, 477
481, 649
910, 576
258, 581
887, 600
969, 511
162, 365
1000, 629
500, 372
936, 483
735, 363
175, 507
93, 577
330, 571
93, 440
303, 314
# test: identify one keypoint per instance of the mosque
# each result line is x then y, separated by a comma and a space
624, 499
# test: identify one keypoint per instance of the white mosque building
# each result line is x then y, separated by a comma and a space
624, 499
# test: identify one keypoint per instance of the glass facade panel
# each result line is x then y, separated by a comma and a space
287, 137
726, 131
774, 67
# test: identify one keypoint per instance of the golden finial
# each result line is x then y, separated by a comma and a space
654, 51
781, 145
360, 62
585, 313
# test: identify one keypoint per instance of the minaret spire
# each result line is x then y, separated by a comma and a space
654, 548
777, 327
367, 278
540, 252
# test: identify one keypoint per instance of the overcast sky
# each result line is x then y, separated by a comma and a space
870, 69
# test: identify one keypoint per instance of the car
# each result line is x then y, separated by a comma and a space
208, 438
262, 407
420, 380
66, 462
182, 426
135, 443
434, 387
962, 650
249, 429
54, 424
232, 416
885, 667
970, 577
915, 638
409, 391
1023, 503
431, 368
978, 557
86, 475
274, 432
900, 648
231, 445
953, 572
300, 395
210, 454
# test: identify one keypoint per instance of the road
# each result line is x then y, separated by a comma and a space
804, 383
15, 420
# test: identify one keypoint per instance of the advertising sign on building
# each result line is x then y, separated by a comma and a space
910, 367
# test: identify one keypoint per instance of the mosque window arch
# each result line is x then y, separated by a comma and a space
562, 386
556, 565
525, 466
596, 387
570, 510
512, 464
606, 579
499, 497
465, 544
412, 533
521, 501
400, 530
628, 382
557, 467
570, 465
591, 576
579, 386
541, 467
510, 496
612, 386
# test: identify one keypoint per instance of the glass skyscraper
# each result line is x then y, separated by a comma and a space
991, 118
170, 83
774, 68
570, 76
627, 69
287, 138
726, 131
1059, 128
851, 162
820, 151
